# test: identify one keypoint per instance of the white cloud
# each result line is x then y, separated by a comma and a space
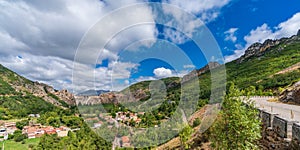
189, 66
237, 54
46, 35
230, 35
47, 28
264, 32
162, 72
206, 10
284, 29
11, 44
260, 34
175, 36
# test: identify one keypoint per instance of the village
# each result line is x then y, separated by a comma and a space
33, 130
122, 118
117, 120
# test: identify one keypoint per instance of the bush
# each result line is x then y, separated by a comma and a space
18, 136
196, 122
21, 124
238, 125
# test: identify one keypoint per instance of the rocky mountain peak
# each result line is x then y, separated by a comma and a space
259, 49
196, 73
210, 65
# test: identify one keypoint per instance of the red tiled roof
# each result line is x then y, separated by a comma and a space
125, 139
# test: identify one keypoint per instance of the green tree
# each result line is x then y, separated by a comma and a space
21, 124
238, 125
18, 136
185, 135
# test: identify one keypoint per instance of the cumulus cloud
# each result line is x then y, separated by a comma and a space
189, 66
206, 10
264, 32
237, 54
230, 35
162, 72
46, 35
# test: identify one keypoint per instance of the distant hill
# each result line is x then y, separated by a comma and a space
20, 96
93, 92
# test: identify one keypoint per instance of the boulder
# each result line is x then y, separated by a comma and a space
291, 94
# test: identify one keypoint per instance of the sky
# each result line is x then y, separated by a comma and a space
107, 44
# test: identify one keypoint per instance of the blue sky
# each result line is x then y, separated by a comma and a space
243, 16
51, 41
247, 15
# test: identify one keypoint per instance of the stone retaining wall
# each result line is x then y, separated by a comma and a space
276, 127
296, 132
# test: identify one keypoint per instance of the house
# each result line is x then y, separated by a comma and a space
2, 131
63, 128
62, 133
32, 132
98, 124
10, 127
34, 115
138, 120
31, 115
125, 141
101, 115
49, 130
38, 130
11, 130
91, 119
3, 134
9, 124
141, 113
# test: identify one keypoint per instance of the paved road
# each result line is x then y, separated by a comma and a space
283, 110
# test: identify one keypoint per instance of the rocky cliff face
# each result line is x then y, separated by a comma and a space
196, 73
259, 49
112, 97
66, 96
44, 91
127, 95
210, 65
291, 94
23, 85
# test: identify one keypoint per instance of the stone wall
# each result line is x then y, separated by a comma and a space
296, 131
267, 118
278, 132
280, 126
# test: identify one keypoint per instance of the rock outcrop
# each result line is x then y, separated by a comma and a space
66, 96
291, 94
210, 65
259, 49
113, 97
43, 90
196, 73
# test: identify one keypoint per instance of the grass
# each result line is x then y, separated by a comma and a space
12, 145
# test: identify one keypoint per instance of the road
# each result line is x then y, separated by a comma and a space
287, 111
